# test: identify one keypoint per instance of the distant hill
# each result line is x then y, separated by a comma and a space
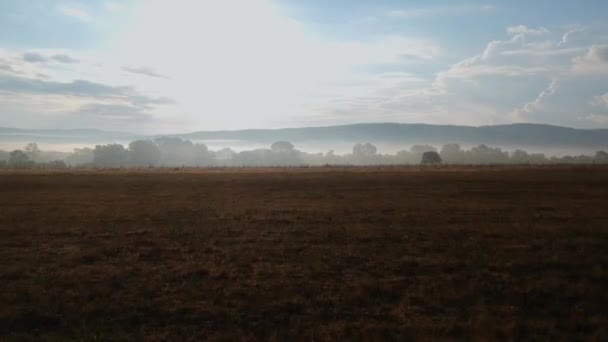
501, 135
508, 136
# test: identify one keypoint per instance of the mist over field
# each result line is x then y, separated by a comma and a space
363, 144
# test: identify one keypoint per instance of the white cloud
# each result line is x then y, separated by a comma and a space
255, 64
33, 57
567, 37
484, 65
525, 53
595, 61
523, 30
64, 59
518, 36
78, 88
7, 68
522, 114
541, 51
468, 71
251, 68
595, 118
601, 101
439, 11
484, 88
257, 67
146, 71
58, 89
75, 12
491, 49
509, 71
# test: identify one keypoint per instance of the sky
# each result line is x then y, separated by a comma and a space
158, 66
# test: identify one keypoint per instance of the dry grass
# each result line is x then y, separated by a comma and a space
323, 254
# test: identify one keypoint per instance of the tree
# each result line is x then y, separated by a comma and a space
520, 157
537, 158
365, 154
144, 153
202, 155
4, 155
430, 158
283, 153
601, 157
176, 152
331, 158
364, 150
32, 151
282, 147
80, 156
452, 154
18, 159
114, 155
420, 149
483, 154
224, 157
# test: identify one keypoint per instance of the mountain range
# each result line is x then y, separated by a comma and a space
512, 136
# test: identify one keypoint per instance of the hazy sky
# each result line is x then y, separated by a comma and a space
185, 65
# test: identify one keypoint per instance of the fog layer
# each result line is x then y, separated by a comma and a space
177, 152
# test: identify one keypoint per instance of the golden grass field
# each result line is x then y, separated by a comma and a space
305, 254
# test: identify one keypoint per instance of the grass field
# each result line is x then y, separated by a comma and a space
323, 254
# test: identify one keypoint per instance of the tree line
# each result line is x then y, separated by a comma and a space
177, 152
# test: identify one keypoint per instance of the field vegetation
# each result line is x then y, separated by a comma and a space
305, 253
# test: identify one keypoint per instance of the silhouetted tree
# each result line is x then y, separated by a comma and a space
282, 147
418, 150
483, 154
176, 151
537, 158
114, 155
430, 158
601, 157
144, 153
19, 159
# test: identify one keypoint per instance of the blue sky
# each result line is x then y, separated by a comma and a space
184, 65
